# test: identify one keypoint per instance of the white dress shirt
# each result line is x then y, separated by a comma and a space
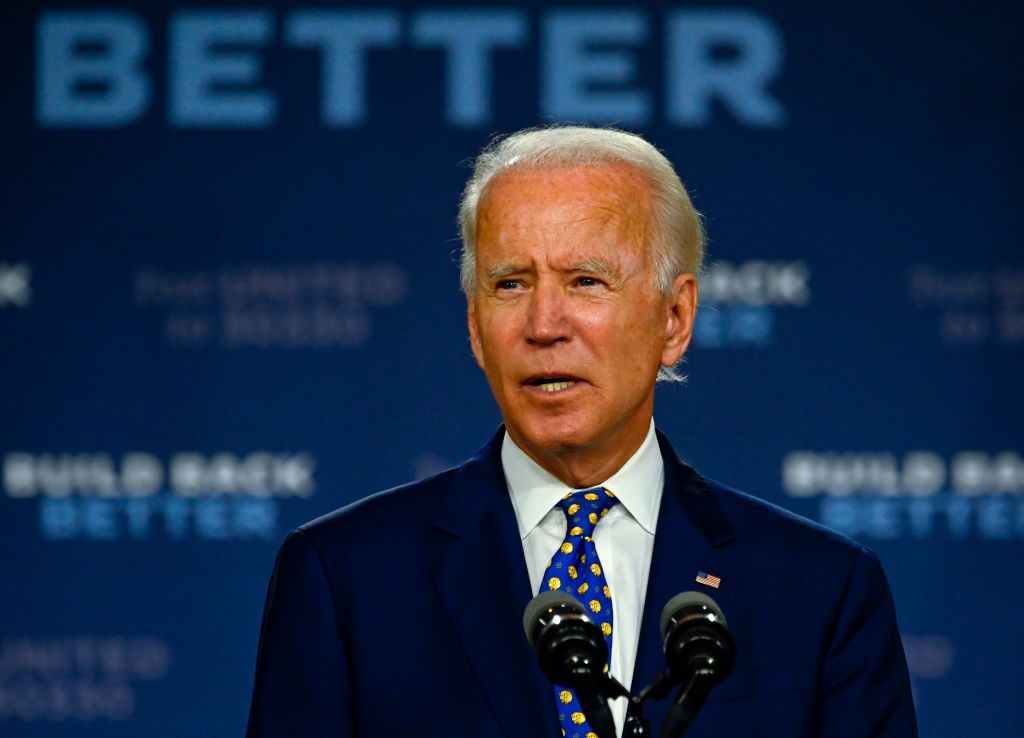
624, 538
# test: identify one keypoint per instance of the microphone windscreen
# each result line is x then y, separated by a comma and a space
543, 602
686, 600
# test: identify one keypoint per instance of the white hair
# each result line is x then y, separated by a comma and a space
677, 242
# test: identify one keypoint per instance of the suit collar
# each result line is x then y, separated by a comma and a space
535, 491
695, 498
476, 543
694, 535
480, 483
477, 537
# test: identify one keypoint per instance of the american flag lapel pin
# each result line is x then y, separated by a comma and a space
709, 579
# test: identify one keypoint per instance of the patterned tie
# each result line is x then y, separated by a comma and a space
576, 569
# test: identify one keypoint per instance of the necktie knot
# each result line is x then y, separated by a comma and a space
584, 507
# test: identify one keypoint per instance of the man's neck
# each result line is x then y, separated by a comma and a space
584, 467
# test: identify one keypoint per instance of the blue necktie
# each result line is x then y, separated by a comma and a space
576, 569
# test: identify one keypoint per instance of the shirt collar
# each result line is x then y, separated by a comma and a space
535, 491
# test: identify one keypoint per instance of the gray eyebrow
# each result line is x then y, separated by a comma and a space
499, 271
596, 267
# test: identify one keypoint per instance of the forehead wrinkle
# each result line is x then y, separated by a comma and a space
628, 219
593, 266
626, 207
622, 201
625, 192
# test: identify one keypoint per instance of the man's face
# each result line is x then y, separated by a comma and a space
566, 319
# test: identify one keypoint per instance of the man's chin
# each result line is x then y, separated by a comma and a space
554, 439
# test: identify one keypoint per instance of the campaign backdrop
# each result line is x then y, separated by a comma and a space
229, 304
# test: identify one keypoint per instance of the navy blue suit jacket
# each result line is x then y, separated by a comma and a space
400, 615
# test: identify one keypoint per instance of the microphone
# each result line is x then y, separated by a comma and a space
572, 652
700, 653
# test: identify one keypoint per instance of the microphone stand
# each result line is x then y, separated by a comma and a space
679, 717
636, 725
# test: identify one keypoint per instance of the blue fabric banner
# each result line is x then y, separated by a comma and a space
229, 304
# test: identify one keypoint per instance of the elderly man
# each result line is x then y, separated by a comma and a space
400, 615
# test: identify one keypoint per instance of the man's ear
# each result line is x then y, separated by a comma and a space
474, 334
681, 314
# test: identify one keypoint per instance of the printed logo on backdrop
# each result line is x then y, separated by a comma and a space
267, 306
95, 67
919, 495
15, 285
972, 307
188, 496
741, 305
78, 679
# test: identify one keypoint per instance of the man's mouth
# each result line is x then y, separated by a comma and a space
552, 384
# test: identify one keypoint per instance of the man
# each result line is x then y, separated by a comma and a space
400, 615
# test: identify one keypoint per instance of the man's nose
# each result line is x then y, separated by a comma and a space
547, 319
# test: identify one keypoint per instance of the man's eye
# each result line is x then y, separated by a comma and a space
587, 281
507, 284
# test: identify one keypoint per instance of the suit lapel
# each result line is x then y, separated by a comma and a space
476, 541
478, 566
692, 536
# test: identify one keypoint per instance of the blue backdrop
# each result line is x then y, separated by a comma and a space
228, 304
